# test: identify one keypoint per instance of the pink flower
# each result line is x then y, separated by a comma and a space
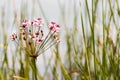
39, 40
37, 22
13, 36
26, 23
54, 27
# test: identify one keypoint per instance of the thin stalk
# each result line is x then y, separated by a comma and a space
93, 36
103, 50
43, 43
47, 39
48, 47
48, 43
92, 31
88, 67
34, 68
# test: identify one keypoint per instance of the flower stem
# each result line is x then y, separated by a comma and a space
33, 60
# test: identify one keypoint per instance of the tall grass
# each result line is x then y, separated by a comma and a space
90, 36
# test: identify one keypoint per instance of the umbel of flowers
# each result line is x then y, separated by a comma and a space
31, 37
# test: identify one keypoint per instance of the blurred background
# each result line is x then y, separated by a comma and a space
90, 39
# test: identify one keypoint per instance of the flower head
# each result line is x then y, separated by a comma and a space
37, 22
26, 23
33, 39
54, 27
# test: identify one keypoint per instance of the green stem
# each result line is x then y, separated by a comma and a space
86, 54
93, 37
33, 60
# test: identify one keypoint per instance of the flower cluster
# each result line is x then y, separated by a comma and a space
32, 38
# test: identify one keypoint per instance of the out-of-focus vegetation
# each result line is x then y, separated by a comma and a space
90, 35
